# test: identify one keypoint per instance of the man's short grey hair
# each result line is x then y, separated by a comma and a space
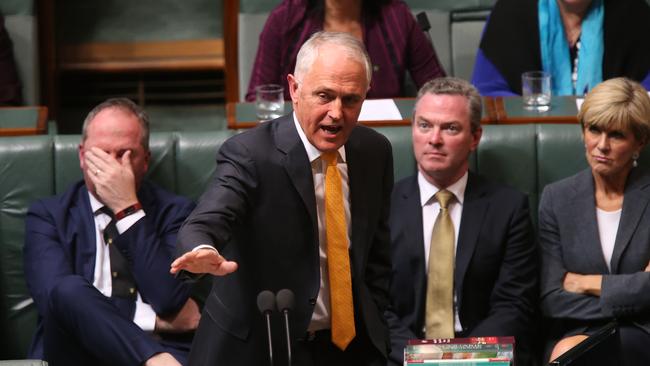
353, 48
125, 105
455, 86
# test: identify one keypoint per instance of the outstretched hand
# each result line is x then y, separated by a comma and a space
203, 261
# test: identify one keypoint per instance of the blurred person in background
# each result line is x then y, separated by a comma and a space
387, 28
579, 42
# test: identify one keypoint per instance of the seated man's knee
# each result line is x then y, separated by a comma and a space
566, 344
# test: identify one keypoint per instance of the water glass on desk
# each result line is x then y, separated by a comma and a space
269, 102
536, 90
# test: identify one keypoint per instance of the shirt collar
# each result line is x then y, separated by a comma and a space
95, 205
428, 190
312, 152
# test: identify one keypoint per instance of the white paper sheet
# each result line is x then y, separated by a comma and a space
379, 110
579, 103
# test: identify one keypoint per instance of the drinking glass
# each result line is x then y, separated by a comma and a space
269, 101
536, 90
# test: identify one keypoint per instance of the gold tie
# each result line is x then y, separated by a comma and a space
440, 279
338, 259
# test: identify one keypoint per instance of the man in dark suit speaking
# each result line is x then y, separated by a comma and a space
301, 203
462, 247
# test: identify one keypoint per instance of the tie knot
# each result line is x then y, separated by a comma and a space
107, 211
330, 158
444, 197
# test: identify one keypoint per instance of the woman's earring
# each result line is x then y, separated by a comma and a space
635, 156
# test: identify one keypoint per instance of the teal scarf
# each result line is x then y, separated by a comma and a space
555, 48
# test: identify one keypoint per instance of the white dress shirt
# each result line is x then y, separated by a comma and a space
607, 228
321, 317
144, 317
430, 211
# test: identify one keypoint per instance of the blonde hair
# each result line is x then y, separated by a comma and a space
618, 104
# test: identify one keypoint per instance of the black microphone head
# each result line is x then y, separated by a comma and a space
266, 302
285, 299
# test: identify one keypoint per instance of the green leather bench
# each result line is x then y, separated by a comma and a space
524, 156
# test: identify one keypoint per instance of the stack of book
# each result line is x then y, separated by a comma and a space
474, 351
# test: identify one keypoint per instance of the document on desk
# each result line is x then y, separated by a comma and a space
379, 110
579, 102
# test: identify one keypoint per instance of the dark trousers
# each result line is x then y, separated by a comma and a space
84, 327
318, 350
634, 345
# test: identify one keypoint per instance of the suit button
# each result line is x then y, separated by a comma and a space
312, 301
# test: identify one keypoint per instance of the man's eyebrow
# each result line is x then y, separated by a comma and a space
323, 90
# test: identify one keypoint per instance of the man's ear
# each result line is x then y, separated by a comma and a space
293, 87
476, 137
80, 151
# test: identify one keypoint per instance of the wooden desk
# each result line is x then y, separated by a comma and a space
17, 121
510, 110
496, 110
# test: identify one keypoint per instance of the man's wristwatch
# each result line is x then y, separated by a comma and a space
128, 211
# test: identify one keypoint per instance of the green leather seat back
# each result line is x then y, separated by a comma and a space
506, 155
163, 158
66, 162
404, 164
561, 151
195, 160
26, 166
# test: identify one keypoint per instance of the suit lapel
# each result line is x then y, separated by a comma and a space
582, 208
357, 184
86, 242
474, 208
634, 205
410, 208
296, 164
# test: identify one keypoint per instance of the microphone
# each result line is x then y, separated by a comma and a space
266, 305
423, 21
285, 300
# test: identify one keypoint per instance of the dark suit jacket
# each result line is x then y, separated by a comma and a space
495, 276
60, 241
569, 239
260, 211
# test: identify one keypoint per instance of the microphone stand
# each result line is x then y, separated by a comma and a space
285, 301
266, 305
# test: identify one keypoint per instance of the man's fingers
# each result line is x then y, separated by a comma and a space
126, 159
203, 261
226, 267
